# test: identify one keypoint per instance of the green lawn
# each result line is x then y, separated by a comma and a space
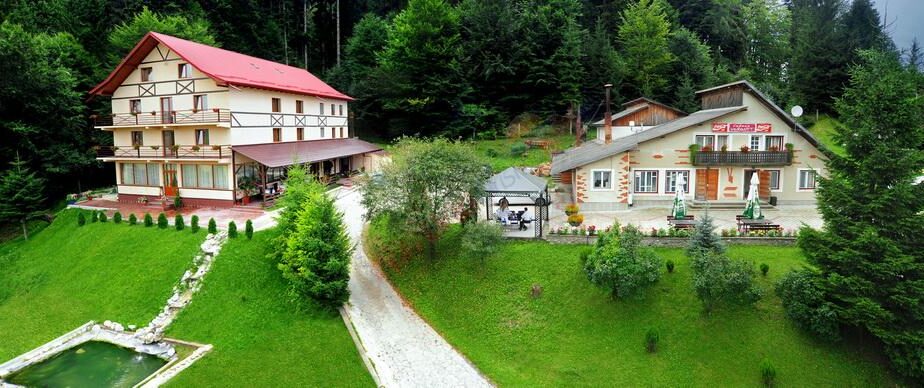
574, 334
67, 275
259, 337
824, 129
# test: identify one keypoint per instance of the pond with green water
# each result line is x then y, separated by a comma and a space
91, 364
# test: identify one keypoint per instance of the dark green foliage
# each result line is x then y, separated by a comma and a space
767, 373
178, 222
232, 230
481, 239
621, 264
643, 37
148, 220
301, 186
670, 266
819, 56
81, 219
704, 239
717, 279
162, 221
21, 194
518, 149
194, 223
248, 229
652, 337
764, 268
317, 254
804, 302
94, 216
871, 269
117, 218
177, 202
213, 227
124, 36
102, 217
132, 219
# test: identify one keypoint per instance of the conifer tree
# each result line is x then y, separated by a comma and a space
704, 240
21, 194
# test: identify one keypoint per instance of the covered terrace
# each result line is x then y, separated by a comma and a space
521, 200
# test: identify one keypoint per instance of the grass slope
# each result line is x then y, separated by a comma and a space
260, 339
67, 275
824, 129
574, 334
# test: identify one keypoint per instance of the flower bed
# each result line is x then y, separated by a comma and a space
670, 237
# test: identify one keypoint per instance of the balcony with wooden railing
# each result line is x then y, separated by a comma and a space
158, 118
741, 158
161, 152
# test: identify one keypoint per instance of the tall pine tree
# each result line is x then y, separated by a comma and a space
643, 39
22, 194
819, 62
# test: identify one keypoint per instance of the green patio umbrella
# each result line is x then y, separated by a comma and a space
679, 211
752, 209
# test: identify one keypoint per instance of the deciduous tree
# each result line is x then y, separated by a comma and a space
621, 264
643, 39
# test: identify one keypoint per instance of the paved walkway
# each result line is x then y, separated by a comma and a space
403, 349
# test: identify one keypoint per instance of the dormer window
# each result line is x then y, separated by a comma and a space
184, 70
146, 74
134, 106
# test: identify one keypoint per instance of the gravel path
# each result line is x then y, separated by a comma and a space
403, 349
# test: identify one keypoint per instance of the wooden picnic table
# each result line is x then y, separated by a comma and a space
683, 224
747, 224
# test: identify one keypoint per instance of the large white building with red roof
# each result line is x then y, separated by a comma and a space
216, 127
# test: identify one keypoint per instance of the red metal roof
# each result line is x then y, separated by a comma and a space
298, 152
225, 67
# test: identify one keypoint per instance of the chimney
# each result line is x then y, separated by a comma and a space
579, 131
608, 118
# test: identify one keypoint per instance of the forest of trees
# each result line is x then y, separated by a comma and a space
430, 67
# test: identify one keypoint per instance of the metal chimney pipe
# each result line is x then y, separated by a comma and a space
608, 118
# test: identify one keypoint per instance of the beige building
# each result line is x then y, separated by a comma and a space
738, 132
217, 128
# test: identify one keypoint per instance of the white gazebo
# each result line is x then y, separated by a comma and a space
517, 187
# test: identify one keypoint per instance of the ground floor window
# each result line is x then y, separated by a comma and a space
205, 176
806, 179
603, 179
774, 180
646, 181
670, 180
140, 174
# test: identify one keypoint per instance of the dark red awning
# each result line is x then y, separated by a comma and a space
299, 152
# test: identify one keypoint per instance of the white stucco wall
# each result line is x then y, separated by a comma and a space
254, 119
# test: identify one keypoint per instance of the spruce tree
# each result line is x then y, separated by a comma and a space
21, 194
869, 253
704, 240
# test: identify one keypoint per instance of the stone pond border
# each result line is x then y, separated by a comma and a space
675, 242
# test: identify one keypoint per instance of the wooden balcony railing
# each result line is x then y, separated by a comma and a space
160, 118
738, 158
170, 152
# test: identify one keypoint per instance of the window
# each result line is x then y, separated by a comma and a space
134, 106
322, 108
341, 132
202, 137
300, 133
603, 179
146, 74
755, 143
646, 181
322, 132
277, 135
299, 106
333, 133
137, 138
774, 180
806, 180
341, 109
200, 102
670, 181
277, 105
721, 140
773, 143
205, 176
705, 140
140, 174
332, 109
183, 70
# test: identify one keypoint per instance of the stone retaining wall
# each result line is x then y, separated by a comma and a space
676, 242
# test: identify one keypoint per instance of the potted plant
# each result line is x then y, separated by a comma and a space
724, 147
216, 147
706, 148
195, 148
571, 209
136, 146
745, 148
175, 147
153, 113
155, 148
246, 185
576, 220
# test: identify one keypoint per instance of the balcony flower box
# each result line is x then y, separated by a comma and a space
745, 149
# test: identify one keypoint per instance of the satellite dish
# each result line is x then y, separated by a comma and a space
796, 111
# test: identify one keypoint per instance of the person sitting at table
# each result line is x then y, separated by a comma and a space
522, 217
502, 215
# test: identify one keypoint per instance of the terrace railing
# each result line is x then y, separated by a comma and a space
170, 152
163, 117
739, 158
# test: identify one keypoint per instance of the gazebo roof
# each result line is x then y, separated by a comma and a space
515, 181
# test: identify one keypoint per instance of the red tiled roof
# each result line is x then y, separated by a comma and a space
285, 154
225, 67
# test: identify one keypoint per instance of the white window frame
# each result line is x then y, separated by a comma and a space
760, 141
667, 179
799, 179
779, 183
593, 180
200, 102
656, 185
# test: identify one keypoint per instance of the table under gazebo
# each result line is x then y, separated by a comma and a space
514, 187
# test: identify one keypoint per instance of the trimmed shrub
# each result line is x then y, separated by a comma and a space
81, 219
670, 266
622, 264
232, 230
162, 221
764, 268
213, 227
177, 202
148, 220
481, 239
248, 229
132, 219
117, 218
805, 304
716, 278
651, 340
178, 222
194, 223
102, 217
94, 216
767, 373
518, 149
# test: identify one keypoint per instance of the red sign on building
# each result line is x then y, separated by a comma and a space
741, 128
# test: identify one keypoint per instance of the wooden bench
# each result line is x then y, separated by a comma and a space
767, 227
687, 217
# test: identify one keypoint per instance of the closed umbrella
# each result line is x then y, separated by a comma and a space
752, 209
679, 210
